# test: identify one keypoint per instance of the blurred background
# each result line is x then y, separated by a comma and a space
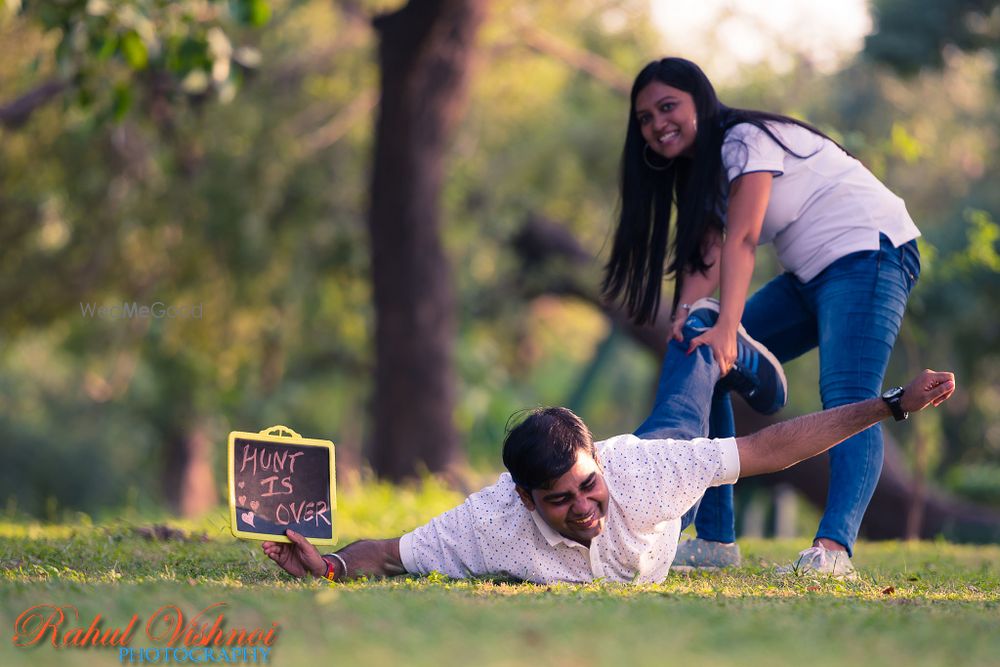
384, 223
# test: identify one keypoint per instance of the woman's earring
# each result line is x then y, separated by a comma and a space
645, 158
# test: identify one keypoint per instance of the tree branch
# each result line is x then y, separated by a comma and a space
16, 113
589, 63
327, 135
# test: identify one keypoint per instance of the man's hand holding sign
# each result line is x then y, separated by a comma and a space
279, 482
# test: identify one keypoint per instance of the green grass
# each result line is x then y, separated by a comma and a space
915, 604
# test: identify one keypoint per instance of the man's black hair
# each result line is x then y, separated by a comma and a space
544, 446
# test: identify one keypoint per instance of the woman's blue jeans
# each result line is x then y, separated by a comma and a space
852, 311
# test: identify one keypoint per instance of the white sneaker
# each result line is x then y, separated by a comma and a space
820, 560
699, 554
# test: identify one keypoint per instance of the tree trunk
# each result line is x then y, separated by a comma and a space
188, 480
556, 264
424, 54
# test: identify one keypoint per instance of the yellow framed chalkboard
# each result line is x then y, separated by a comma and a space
280, 481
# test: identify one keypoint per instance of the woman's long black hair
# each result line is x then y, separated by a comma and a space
695, 187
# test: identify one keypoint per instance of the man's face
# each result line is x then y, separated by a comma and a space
576, 504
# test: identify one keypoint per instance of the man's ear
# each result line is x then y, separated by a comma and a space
525, 497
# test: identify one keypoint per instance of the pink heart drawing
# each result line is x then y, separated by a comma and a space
247, 518
241, 484
254, 505
242, 500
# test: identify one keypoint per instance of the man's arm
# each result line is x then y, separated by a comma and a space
366, 558
784, 444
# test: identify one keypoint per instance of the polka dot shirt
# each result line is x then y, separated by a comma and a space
651, 484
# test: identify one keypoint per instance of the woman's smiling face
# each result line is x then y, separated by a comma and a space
667, 119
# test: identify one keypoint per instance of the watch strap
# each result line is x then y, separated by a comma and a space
894, 403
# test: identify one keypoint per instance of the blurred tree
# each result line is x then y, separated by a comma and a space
912, 34
424, 57
169, 57
942, 160
260, 210
108, 54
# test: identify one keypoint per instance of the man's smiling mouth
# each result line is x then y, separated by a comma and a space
585, 522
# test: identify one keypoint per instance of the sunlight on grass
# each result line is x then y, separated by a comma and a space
927, 603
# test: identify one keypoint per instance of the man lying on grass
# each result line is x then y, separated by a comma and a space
573, 510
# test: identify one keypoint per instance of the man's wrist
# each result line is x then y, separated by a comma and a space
336, 567
893, 398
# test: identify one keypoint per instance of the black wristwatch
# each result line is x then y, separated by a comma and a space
892, 398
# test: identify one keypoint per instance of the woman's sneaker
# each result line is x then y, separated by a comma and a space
756, 374
820, 560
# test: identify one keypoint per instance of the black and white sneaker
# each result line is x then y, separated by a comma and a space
756, 374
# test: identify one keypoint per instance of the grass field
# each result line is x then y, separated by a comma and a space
915, 604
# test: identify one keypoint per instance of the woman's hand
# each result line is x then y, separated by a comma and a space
677, 325
722, 340
298, 558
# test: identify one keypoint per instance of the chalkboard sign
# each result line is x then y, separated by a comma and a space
278, 482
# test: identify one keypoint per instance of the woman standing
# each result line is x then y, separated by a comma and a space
732, 179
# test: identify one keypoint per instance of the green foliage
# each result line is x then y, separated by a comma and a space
251, 12
255, 209
912, 34
105, 47
150, 211
963, 283
984, 234
980, 482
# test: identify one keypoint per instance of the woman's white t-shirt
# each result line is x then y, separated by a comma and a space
824, 205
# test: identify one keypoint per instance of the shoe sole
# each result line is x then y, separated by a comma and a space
713, 304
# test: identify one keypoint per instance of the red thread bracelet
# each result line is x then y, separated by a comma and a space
329, 569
